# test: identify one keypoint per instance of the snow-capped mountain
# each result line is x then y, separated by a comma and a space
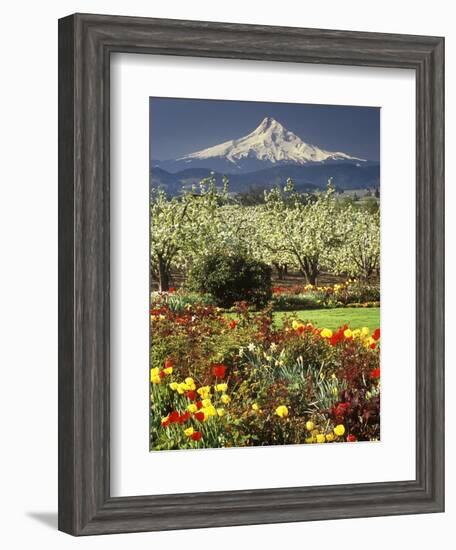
270, 144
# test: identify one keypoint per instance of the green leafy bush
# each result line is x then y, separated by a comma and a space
293, 302
232, 278
179, 300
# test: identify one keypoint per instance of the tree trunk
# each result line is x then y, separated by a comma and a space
280, 270
163, 276
312, 277
310, 270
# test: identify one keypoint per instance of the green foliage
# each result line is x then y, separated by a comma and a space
293, 302
232, 278
180, 300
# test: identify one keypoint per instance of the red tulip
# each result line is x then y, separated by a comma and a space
219, 370
184, 417
199, 416
191, 395
196, 436
174, 417
376, 334
375, 373
337, 337
351, 438
340, 410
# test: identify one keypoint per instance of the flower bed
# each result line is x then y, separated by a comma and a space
349, 293
220, 382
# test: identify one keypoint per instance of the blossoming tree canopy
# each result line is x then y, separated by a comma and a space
306, 232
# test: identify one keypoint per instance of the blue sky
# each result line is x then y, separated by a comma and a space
181, 126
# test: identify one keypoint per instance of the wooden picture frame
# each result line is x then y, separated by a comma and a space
85, 45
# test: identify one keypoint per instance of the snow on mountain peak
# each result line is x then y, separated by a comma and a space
269, 124
270, 141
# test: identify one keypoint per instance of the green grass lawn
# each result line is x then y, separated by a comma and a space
334, 318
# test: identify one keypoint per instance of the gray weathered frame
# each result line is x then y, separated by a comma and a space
85, 45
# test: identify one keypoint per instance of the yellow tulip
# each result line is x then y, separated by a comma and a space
190, 384
207, 402
204, 391
329, 437
174, 386
348, 333
155, 371
209, 411
189, 431
255, 407
168, 370
370, 341
326, 333
221, 387
339, 430
310, 425
192, 408
220, 412
321, 438
155, 379
282, 411
225, 399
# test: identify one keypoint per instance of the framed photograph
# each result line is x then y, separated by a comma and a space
251, 274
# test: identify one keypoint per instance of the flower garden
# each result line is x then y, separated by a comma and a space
238, 357
221, 382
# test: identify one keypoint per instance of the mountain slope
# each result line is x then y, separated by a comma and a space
272, 142
268, 145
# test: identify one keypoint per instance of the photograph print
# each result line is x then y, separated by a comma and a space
264, 274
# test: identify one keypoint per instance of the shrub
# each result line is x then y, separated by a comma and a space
180, 300
293, 302
231, 279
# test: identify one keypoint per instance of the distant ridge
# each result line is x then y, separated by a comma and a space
308, 177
